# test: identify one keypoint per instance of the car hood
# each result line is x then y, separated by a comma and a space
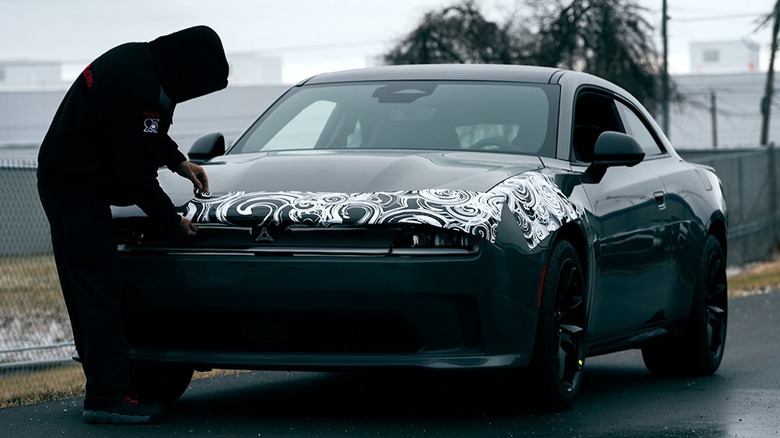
363, 171
452, 190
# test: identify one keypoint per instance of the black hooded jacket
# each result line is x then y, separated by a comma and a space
109, 136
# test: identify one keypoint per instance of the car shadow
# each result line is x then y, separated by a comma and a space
397, 396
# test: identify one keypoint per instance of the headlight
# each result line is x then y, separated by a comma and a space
440, 241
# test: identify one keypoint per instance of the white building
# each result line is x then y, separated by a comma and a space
29, 74
724, 57
721, 98
245, 69
253, 69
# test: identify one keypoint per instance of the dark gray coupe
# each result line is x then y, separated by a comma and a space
435, 217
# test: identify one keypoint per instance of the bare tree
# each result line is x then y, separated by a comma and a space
460, 34
608, 38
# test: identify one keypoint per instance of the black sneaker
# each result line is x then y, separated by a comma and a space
129, 410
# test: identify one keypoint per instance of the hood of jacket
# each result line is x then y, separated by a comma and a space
190, 63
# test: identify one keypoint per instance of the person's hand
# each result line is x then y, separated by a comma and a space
186, 228
194, 173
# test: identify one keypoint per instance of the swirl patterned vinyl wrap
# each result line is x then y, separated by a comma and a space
537, 204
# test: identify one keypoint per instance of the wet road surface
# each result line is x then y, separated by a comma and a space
619, 398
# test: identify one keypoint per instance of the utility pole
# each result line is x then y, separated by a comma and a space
665, 71
714, 116
766, 102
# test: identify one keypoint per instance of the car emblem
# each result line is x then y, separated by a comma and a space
264, 235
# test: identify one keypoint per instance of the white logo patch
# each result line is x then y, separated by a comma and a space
151, 125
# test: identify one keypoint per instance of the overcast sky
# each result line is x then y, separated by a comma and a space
312, 36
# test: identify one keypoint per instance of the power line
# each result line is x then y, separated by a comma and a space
717, 17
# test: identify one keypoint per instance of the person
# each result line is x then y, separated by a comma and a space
106, 143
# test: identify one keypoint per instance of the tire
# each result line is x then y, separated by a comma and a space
558, 357
698, 351
162, 382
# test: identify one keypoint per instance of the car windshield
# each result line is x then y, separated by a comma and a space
423, 115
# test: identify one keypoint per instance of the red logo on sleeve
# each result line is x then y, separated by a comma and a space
88, 76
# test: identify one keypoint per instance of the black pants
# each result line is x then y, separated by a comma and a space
90, 274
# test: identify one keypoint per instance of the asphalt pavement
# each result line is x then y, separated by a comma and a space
619, 398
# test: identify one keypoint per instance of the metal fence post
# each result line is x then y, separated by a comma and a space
772, 163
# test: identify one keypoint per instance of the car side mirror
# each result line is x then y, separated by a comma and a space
614, 149
617, 149
207, 147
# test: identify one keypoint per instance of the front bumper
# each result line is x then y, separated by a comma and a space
223, 309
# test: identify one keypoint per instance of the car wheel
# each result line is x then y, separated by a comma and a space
699, 350
558, 358
161, 382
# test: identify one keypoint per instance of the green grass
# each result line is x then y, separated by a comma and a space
41, 385
57, 383
31, 281
759, 277
29, 292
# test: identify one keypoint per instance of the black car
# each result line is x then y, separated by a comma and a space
435, 217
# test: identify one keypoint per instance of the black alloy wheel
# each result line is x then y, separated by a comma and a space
709, 338
558, 359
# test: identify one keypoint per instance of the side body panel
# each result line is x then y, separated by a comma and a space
630, 258
690, 202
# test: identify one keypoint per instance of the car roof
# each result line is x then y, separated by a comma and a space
484, 72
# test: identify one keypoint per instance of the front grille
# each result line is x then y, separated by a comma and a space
304, 240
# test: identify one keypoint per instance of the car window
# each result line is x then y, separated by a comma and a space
594, 113
439, 115
636, 128
303, 130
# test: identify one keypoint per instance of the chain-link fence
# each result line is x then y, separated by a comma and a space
36, 342
35, 337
